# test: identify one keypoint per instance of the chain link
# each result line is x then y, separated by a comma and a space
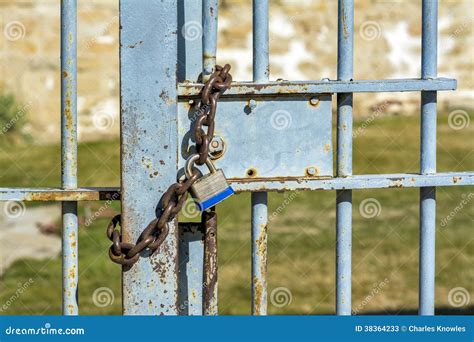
173, 199
219, 82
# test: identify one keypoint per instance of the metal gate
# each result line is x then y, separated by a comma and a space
158, 98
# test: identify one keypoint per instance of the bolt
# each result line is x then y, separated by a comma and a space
311, 171
325, 79
314, 101
216, 147
252, 104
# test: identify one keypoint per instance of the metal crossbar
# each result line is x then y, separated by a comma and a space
151, 100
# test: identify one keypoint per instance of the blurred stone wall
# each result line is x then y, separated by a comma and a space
30, 64
302, 41
387, 44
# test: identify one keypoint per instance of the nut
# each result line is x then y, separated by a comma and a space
216, 147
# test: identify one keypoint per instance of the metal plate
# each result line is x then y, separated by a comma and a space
275, 139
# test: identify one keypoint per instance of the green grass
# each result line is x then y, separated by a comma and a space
301, 238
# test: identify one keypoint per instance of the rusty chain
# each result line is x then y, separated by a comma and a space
173, 199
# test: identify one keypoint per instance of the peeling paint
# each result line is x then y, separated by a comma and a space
133, 46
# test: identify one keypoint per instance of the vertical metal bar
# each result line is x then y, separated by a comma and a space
191, 256
209, 37
344, 159
259, 252
261, 64
191, 242
210, 281
428, 159
69, 153
209, 222
148, 69
261, 71
190, 55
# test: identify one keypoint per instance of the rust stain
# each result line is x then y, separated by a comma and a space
262, 242
258, 295
275, 179
260, 283
344, 23
164, 263
314, 102
209, 56
327, 148
312, 171
209, 221
251, 172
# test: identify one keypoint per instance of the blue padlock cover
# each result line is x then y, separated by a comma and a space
216, 199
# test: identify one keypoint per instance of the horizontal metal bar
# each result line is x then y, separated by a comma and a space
58, 194
397, 180
287, 88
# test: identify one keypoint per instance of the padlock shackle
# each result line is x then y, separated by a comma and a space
188, 167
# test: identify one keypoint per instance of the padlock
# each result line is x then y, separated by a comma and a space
210, 189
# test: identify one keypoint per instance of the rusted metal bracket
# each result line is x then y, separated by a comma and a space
209, 223
197, 261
